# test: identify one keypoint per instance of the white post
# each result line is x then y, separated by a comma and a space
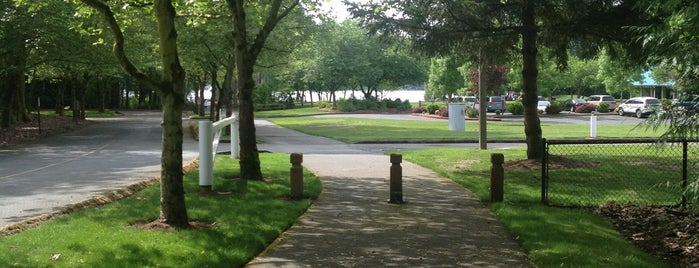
235, 139
206, 163
593, 126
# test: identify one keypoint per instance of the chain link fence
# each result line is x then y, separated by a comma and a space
638, 171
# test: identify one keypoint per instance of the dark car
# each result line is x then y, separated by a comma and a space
573, 104
687, 102
495, 103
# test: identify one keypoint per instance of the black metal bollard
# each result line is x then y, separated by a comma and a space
497, 177
396, 186
296, 176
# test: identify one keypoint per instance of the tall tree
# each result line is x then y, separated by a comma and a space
249, 40
171, 90
488, 32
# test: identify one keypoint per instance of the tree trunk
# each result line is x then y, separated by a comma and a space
249, 157
173, 210
532, 125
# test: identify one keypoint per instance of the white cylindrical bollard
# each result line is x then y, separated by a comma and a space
206, 163
593, 126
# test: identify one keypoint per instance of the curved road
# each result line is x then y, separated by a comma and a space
52, 173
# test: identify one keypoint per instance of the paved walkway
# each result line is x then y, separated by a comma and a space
352, 224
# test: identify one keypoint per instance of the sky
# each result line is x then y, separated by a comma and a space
338, 8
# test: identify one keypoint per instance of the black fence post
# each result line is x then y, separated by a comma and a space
684, 173
544, 171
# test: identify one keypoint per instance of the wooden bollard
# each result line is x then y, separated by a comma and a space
296, 176
497, 177
396, 186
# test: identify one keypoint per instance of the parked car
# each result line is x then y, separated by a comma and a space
687, 102
639, 106
470, 101
495, 103
596, 99
573, 104
542, 105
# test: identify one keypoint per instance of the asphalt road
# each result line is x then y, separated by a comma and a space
55, 172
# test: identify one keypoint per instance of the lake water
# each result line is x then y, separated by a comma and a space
411, 95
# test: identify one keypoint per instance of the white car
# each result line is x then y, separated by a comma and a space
542, 105
639, 106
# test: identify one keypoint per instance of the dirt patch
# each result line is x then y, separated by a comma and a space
668, 233
555, 162
461, 165
159, 225
50, 125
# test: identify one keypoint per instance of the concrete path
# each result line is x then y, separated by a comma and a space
352, 224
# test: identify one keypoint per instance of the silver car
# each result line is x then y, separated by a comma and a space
639, 106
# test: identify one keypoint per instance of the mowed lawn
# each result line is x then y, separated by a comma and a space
357, 130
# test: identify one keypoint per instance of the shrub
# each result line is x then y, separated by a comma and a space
586, 108
419, 110
498, 112
383, 105
554, 108
516, 108
405, 106
472, 113
603, 107
344, 105
323, 104
444, 112
432, 108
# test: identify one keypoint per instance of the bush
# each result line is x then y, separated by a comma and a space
471, 113
383, 105
603, 107
323, 104
405, 106
419, 110
444, 112
432, 108
586, 108
516, 108
344, 105
554, 108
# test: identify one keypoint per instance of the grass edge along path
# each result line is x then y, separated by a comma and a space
551, 237
103, 236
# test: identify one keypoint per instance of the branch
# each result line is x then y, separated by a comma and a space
118, 47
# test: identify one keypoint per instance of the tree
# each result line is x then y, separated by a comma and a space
672, 40
249, 40
488, 32
170, 88
444, 78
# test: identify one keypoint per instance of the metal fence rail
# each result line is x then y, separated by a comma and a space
635, 171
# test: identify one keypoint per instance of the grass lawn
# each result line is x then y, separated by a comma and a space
353, 130
88, 113
244, 224
552, 237
300, 111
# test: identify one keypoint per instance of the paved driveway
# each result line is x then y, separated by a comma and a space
51, 173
